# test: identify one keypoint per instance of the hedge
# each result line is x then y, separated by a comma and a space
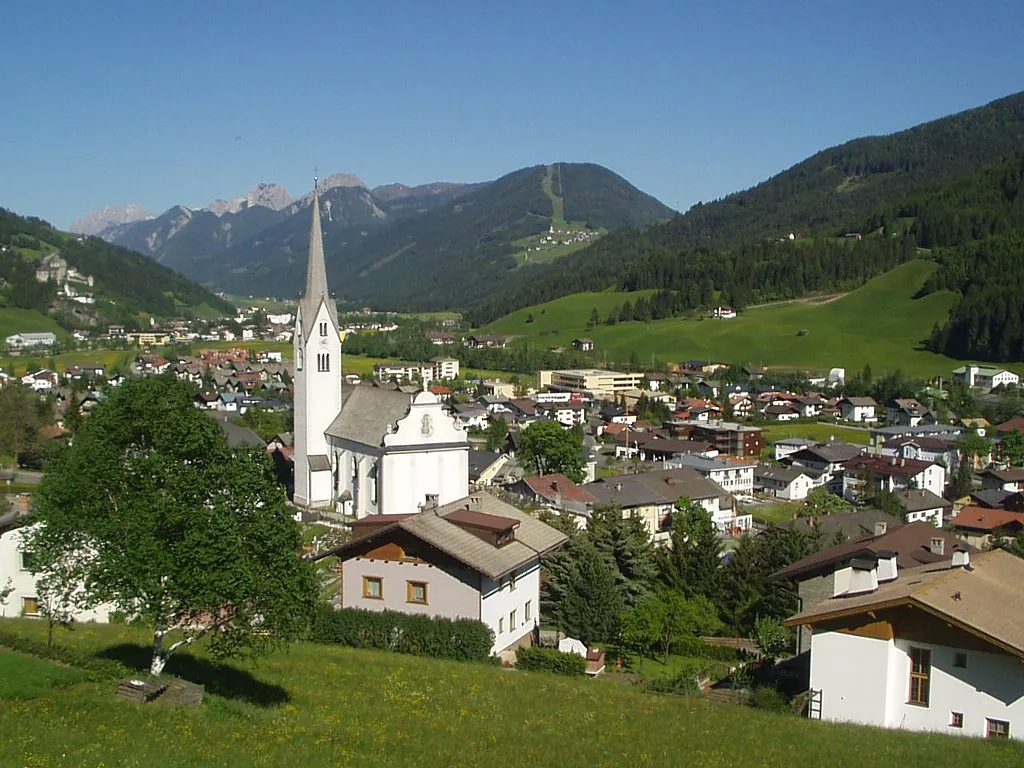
694, 646
550, 660
100, 668
459, 639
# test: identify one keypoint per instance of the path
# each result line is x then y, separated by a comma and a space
803, 300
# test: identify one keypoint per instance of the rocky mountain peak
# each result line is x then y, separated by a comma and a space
108, 216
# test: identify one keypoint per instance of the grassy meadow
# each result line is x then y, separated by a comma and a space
880, 324
316, 705
13, 320
815, 431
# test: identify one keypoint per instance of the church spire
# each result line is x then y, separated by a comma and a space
316, 273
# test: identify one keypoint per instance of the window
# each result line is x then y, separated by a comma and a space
512, 583
30, 606
416, 592
956, 719
373, 587
26, 561
920, 670
323, 361
997, 729
528, 610
960, 660
512, 620
323, 329
501, 626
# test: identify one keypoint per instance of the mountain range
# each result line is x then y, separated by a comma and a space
395, 245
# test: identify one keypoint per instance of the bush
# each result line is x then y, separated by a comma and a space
100, 668
694, 646
550, 660
768, 698
682, 683
458, 639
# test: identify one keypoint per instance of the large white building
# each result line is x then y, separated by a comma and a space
595, 383
934, 648
365, 450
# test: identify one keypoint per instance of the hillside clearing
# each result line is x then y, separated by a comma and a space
13, 320
325, 706
880, 324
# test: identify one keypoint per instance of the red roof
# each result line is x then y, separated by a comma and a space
1014, 424
882, 465
549, 486
436, 389
982, 519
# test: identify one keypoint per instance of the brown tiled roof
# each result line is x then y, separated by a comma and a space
910, 542
1008, 475
480, 520
1014, 424
883, 465
975, 600
983, 519
551, 485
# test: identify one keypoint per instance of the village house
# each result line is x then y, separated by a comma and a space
934, 449
877, 436
487, 342
734, 476
788, 446
28, 340
908, 412
858, 409
921, 505
781, 413
791, 483
43, 380
980, 527
476, 558
591, 382
890, 475
556, 492
470, 415
729, 438
936, 648
742, 406
724, 313
440, 338
488, 468
1009, 479
583, 345
567, 414
827, 460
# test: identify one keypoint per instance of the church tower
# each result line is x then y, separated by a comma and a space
318, 376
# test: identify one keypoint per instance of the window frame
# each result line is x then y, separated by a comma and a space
960, 660
919, 693
501, 625
528, 611
512, 582
993, 730
410, 586
24, 606
956, 719
512, 620
379, 580
25, 561
323, 329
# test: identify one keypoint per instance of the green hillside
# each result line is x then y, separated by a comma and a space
880, 324
15, 320
318, 705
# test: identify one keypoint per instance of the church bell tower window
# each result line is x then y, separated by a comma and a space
323, 362
323, 329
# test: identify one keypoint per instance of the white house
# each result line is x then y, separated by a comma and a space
31, 339
788, 446
567, 414
723, 313
733, 476
935, 647
985, 377
791, 483
40, 381
477, 558
922, 505
859, 409
1010, 479
24, 599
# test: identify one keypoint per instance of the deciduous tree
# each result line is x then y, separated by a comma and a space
168, 523
549, 449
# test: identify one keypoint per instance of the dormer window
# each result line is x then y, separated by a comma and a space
323, 329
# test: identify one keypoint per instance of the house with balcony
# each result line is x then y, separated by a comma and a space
867, 472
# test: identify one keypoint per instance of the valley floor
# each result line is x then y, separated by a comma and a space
325, 706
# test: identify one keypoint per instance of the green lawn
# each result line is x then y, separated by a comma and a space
815, 431
26, 677
14, 320
775, 513
325, 706
880, 323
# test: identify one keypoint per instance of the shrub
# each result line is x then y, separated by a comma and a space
768, 698
682, 683
550, 660
458, 639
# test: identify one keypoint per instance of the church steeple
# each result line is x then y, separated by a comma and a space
316, 274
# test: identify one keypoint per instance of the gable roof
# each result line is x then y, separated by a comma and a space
782, 474
366, 413
480, 462
862, 402
887, 466
849, 525
550, 486
910, 542
992, 498
1008, 475
974, 599
982, 519
832, 452
920, 499
662, 487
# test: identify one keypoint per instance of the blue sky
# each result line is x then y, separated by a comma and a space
118, 101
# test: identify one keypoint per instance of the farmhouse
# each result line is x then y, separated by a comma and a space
858, 409
790, 483
984, 377
583, 345
476, 558
936, 648
924, 506
724, 313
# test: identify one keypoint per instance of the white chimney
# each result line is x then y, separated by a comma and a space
938, 546
881, 527
961, 557
859, 577
887, 570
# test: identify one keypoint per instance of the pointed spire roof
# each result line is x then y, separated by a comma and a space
316, 274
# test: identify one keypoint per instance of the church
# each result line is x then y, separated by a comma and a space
361, 449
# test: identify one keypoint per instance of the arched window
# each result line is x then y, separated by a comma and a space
298, 359
323, 361
323, 329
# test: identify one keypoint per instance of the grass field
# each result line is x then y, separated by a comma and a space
880, 324
324, 706
14, 320
814, 431
26, 677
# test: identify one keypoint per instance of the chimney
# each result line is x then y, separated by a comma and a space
618, 487
431, 505
893, 461
476, 503
903, 462
881, 527
938, 546
961, 557
23, 503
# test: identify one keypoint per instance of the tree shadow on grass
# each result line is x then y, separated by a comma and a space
219, 679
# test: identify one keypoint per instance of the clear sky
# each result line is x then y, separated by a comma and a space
119, 101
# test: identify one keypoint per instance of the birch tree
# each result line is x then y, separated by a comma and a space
167, 523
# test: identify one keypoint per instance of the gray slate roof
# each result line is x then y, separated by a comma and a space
782, 474
366, 412
237, 436
647, 488
918, 500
